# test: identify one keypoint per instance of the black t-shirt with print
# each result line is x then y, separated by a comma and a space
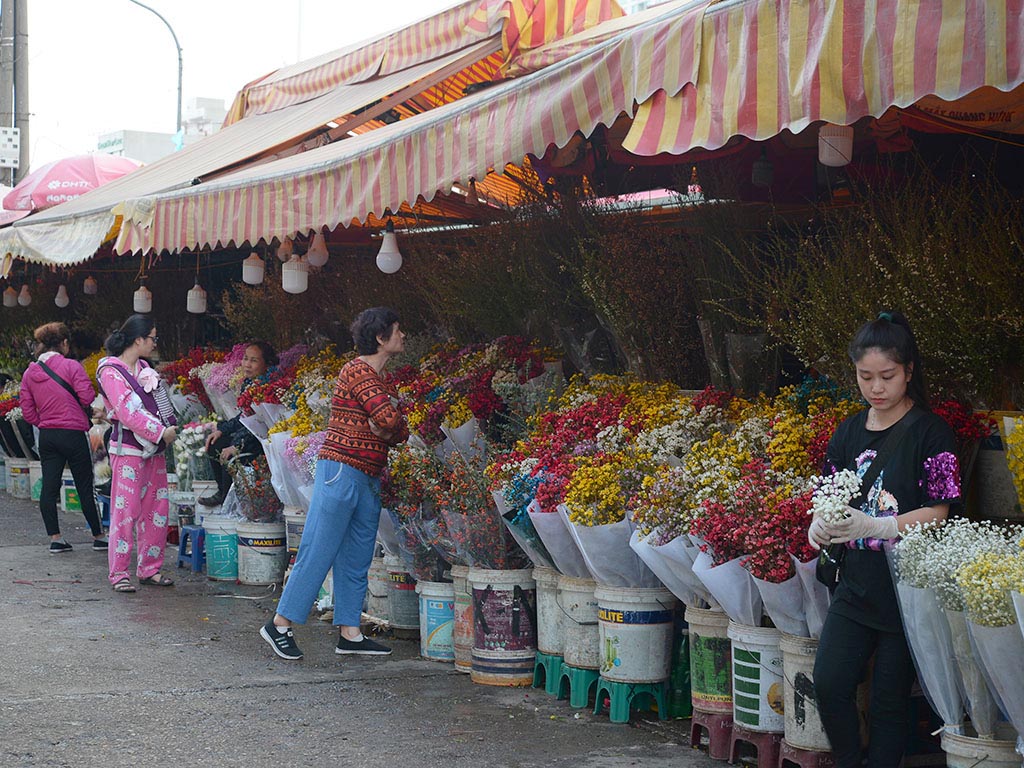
921, 471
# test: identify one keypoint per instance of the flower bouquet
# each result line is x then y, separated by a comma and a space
190, 450
257, 498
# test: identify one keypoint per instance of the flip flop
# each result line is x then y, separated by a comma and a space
124, 585
157, 580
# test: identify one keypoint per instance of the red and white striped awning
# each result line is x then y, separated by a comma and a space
701, 72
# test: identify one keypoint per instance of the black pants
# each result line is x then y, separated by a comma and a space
843, 653
220, 472
59, 448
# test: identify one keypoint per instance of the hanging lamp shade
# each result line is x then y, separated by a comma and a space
389, 258
25, 297
317, 254
10, 297
142, 300
835, 145
89, 287
762, 174
285, 249
196, 301
253, 269
61, 299
295, 275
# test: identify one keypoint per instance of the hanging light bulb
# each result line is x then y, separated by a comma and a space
196, 301
142, 300
89, 287
762, 174
24, 298
285, 249
389, 258
295, 275
835, 145
317, 254
253, 269
61, 299
10, 297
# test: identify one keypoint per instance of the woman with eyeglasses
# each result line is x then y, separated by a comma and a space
143, 426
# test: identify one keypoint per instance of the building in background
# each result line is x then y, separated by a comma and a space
201, 117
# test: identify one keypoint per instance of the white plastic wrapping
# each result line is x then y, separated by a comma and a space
1001, 653
607, 553
981, 705
931, 645
281, 477
733, 587
465, 440
672, 563
1018, 605
816, 597
386, 536
784, 604
559, 543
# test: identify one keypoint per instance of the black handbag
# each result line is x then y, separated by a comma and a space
830, 560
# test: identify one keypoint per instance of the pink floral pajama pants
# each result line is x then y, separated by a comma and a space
138, 506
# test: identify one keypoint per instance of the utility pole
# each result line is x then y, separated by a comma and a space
6, 75
21, 83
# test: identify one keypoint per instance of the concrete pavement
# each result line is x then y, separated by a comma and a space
179, 677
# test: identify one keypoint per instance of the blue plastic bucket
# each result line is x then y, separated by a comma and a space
437, 620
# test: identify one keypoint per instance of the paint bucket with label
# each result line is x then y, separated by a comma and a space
550, 637
803, 723
758, 694
35, 479
504, 626
402, 599
221, 542
437, 620
377, 603
710, 660
294, 521
635, 627
69, 499
582, 643
462, 635
262, 555
18, 484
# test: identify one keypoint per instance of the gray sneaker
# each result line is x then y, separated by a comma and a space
281, 640
364, 647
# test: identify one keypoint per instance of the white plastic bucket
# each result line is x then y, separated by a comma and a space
69, 499
35, 479
402, 600
710, 660
262, 556
758, 693
221, 541
437, 620
635, 633
581, 646
462, 634
972, 752
203, 488
377, 590
294, 522
504, 626
17, 479
803, 723
550, 637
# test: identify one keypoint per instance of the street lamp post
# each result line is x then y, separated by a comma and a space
176, 45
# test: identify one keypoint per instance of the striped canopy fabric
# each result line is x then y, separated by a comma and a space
701, 73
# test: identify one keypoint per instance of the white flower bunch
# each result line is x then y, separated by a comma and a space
614, 438
673, 441
986, 582
753, 435
15, 414
190, 444
912, 552
832, 494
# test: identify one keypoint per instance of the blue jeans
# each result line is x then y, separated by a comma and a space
340, 531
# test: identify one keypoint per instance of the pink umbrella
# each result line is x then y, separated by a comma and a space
66, 179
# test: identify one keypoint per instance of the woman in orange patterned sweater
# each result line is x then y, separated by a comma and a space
341, 526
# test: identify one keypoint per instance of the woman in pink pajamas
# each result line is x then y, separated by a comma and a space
143, 427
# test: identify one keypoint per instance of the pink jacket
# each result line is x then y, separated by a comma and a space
126, 408
46, 404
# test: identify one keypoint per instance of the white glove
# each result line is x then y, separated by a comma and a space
819, 533
857, 525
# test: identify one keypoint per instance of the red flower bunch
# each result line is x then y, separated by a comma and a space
483, 401
968, 425
269, 388
711, 396
823, 425
6, 406
179, 372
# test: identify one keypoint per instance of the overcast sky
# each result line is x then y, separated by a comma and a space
99, 66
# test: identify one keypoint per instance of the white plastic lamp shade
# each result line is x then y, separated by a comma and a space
61, 299
196, 301
285, 249
253, 269
835, 145
142, 300
389, 258
762, 174
10, 297
89, 287
317, 254
24, 298
295, 275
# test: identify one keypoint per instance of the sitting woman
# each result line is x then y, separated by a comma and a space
231, 438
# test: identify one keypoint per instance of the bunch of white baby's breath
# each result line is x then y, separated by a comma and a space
912, 552
832, 494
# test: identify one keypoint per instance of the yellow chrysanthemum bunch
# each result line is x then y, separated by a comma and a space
600, 488
91, 363
787, 449
458, 412
986, 583
304, 421
1015, 457
654, 404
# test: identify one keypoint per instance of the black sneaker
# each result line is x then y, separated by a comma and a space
283, 642
212, 501
99, 545
364, 647
59, 547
